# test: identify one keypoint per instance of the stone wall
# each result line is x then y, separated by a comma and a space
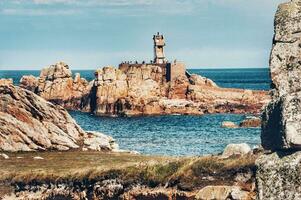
175, 70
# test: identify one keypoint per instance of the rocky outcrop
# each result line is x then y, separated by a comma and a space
138, 91
30, 123
278, 174
250, 122
281, 118
141, 90
56, 85
103, 190
228, 124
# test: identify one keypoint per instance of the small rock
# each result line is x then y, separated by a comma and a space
38, 158
4, 156
222, 193
228, 124
236, 149
251, 122
214, 192
257, 149
239, 194
126, 151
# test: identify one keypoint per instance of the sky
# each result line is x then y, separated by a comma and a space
89, 34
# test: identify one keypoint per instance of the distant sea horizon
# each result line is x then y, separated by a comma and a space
82, 69
244, 78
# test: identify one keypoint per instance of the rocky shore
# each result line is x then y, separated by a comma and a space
62, 161
88, 165
30, 123
126, 176
140, 90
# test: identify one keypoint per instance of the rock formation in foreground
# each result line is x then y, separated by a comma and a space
140, 90
30, 123
278, 175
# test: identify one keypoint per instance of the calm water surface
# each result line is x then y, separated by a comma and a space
171, 135
175, 135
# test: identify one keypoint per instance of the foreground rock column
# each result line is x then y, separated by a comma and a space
279, 173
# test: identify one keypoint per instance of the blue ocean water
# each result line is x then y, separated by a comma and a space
175, 135
251, 78
171, 135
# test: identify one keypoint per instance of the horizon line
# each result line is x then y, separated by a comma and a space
193, 68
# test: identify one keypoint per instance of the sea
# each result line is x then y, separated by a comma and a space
175, 135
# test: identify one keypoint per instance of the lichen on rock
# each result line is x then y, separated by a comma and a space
278, 173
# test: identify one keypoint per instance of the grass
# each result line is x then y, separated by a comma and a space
186, 173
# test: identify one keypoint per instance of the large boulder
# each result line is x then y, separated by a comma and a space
228, 124
278, 176
250, 122
57, 85
30, 123
281, 127
236, 149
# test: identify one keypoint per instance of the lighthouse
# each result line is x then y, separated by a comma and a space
159, 43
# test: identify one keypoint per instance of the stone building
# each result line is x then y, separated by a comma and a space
159, 43
171, 70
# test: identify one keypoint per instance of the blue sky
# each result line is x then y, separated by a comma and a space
88, 34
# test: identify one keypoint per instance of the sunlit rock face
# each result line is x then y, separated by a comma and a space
140, 89
57, 85
281, 127
30, 123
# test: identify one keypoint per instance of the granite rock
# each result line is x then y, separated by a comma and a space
141, 90
30, 123
281, 118
278, 176
222, 193
236, 149
228, 124
250, 122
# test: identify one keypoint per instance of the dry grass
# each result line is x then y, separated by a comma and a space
185, 172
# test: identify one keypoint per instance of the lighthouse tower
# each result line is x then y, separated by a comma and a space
159, 43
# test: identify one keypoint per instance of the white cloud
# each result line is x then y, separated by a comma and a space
37, 12
133, 7
97, 2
